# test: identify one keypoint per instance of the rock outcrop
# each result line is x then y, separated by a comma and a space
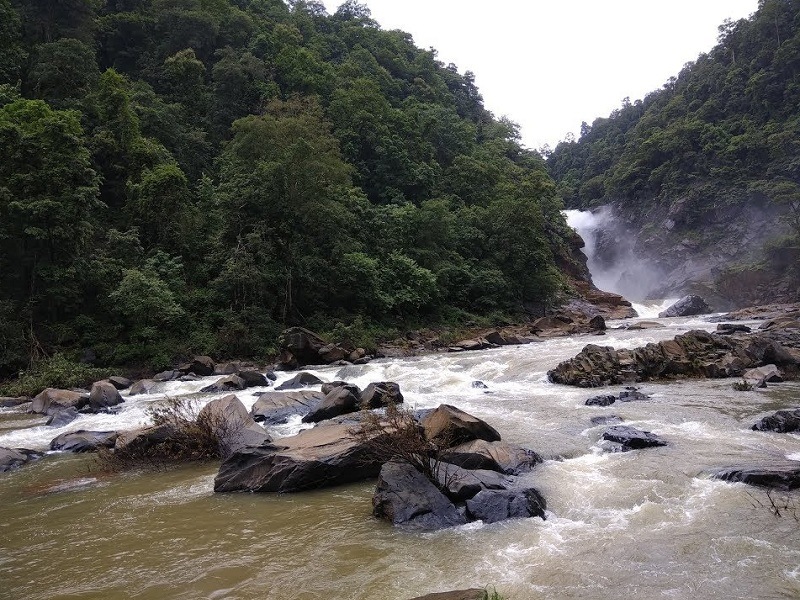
693, 354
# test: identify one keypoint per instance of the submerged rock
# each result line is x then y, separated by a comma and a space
13, 458
782, 477
601, 400
624, 438
405, 497
782, 421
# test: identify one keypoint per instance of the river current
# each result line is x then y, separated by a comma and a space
649, 523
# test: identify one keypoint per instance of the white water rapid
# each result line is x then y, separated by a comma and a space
648, 523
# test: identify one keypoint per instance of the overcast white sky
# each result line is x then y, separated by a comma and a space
548, 65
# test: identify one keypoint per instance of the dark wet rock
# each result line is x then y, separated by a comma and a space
230, 383
227, 368
232, 424
103, 395
363, 360
480, 385
491, 506
782, 421
253, 379
9, 401
380, 394
686, 307
145, 386
601, 400
63, 416
340, 400
51, 400
597, 322
461, 484
275, 408
300, 380
121, 383
470, 594
84, 441
201, 365
730, 328
329, 386
632, 394
324, 456
300, 347
782, 477
405, 497
624, 438
495, 456
452, 426
170, 375
13, 458
270, 375
692, 354
606, 420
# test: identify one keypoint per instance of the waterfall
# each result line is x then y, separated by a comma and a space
613, 262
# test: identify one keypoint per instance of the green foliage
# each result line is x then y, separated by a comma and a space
57, 371
225, 169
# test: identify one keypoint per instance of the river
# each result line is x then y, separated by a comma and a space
646, 523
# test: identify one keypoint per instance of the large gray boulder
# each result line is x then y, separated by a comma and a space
341, 400
104, 395
460, 484
450, 426
232, 424
491, 506
495, 456
145, 386
405, 497
253, 378
686, 307
84, 441
275, 408
51, 400
327, 455
119, 382
12, 458
381, 393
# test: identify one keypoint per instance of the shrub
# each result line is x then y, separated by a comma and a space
742, 386
58, 371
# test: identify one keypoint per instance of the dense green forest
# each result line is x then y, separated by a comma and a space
725, 130
191, 176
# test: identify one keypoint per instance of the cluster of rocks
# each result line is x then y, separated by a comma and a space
300, 347
692, 354
629, 394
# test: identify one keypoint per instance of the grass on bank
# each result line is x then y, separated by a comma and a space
57, 371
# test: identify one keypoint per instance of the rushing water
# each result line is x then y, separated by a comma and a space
648, 523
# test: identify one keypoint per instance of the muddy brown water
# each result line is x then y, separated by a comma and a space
649, 523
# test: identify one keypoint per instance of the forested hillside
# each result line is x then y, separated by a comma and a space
713, 151
190, 176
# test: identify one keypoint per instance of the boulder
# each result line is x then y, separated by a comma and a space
11, 401
461, 484
606, 420
782, 477
51, 400
228, 368
766, 374
476, 344
103, 395
601, 400
275, 408
632, 394
328, 387
598, 323
686, 307
480, 385
145, 386
201, 365
731, 328
301, 380
341, 400
782, 421
253, 379
495, 456
230, 383
380, 394
624, 439
491, 506
299, 347
169, 375
140, 441
405, 497
232, 424
12, 458
470, 594
324, 456
63, 417
452, 426
84, 441
121, 383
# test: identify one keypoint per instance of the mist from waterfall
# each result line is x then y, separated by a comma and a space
609, 249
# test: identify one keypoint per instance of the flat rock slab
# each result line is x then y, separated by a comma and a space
781, 477
275, 408
84, 441
470, 594
628, 438
324, 456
